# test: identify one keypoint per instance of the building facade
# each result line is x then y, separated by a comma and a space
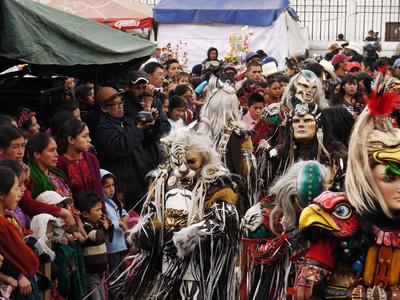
325, 19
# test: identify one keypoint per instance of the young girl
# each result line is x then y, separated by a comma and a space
21, 262
165, 102
116, 248
176, 112
80, 166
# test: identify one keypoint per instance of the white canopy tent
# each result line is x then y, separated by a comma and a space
202, 25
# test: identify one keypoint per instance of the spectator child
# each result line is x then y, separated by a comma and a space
165, 102
116, 248
68, 275
80, 166
183, 78
97, 227
176, 112
22, 262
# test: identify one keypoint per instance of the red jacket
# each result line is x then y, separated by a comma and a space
14, 250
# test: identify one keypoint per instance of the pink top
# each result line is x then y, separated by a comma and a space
248, 121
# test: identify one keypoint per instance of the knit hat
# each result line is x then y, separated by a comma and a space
196, 70
52, 198
396, 63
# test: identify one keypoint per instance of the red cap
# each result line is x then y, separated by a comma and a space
338, 58
353, 64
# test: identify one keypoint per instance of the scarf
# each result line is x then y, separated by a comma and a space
40, 182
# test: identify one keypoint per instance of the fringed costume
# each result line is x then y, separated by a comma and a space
188, 234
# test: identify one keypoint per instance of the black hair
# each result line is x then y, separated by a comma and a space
82, 91
70, 105
381, 62
85, 201
36, 144
9, 133
151, 67
255, 98
195, 82
272, 79
175, 102
7, 180
253, 64
59, 119
13, 165
316, 68
182, 89
182, 74
339, 122
169, 62
348, 78
284, 78
71, 128
5, 120
366, 79
115, 197
262, 84
209, 51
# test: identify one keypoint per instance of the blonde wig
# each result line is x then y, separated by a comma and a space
360, 186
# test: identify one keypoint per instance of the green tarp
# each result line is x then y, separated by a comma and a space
55, 42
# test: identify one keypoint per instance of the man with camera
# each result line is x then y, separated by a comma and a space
146, 112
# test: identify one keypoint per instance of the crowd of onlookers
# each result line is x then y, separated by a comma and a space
86, 173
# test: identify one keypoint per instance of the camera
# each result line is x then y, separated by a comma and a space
145, 117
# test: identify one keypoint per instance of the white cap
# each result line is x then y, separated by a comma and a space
354, 47
52, 198
269, 69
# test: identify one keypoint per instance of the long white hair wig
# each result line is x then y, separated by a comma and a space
221, 108
290, 90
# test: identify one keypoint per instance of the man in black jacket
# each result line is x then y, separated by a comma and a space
153, 129
119, 146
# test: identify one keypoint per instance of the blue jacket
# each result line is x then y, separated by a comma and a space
118, 242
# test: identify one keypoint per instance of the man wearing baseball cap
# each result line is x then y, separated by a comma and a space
354, 67
339, 62
134, 97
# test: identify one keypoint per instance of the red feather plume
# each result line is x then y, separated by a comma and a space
381, 105
383, 69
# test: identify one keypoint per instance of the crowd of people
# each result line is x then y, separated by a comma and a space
234, 181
